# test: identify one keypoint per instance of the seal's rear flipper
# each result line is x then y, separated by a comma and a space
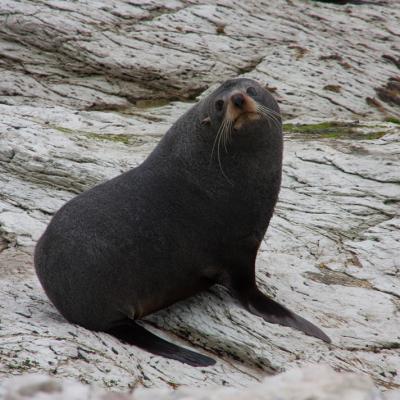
135, 334
273, 312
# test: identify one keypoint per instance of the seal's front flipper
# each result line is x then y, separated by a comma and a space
271, 311
135, 334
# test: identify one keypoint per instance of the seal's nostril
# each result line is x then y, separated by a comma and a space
238, 100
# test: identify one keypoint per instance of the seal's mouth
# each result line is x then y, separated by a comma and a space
241, 110
245, 118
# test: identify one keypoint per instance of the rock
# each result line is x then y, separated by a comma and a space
88, 89
316, 382
92, 56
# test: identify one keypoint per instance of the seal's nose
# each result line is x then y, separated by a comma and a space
238, 100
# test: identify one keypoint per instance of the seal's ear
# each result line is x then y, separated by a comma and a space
206, 121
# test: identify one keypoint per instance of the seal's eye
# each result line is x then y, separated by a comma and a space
251, 91
219, 105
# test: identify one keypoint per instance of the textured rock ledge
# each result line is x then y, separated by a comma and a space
314, 382
331, 253
323, 60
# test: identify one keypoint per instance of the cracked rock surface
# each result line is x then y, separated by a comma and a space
88, 89
314, 382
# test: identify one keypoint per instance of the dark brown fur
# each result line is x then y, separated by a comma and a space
188, 217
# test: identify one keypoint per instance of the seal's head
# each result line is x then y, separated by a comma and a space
237, 104
235, 126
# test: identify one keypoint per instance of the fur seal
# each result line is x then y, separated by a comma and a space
193, 214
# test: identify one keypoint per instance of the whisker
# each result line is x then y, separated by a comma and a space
269, 109
224, 133
264, 115
277, 118
227, 134
220, 136
267, 113
216, 138
275, 121
219, 158
230, 125
223, 138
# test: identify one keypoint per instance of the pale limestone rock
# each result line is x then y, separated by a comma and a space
313, 382
86, 93
324, 60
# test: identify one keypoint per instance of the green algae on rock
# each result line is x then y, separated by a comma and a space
332, 130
